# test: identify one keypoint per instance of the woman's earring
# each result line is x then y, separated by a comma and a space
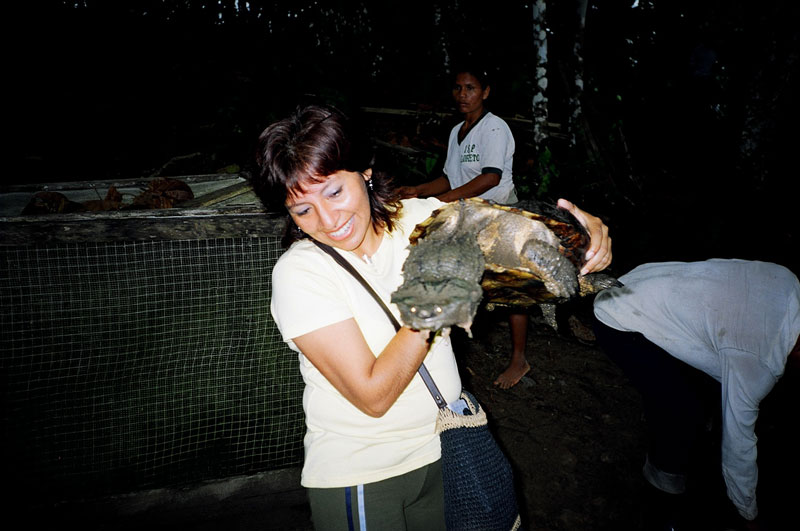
369, 184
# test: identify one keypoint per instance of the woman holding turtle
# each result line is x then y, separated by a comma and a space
372, 455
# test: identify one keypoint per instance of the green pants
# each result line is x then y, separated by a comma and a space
413, 501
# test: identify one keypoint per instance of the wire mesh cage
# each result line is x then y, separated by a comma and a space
138, 350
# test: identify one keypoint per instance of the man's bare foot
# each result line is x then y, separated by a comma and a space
513, 374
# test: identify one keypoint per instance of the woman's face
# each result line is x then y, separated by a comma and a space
336, 211
469, 94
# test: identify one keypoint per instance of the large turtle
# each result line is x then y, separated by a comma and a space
510, 256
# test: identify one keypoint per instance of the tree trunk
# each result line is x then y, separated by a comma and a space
442, 36
540, 76
576, 92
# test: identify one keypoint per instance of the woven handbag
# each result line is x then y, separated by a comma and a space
478, 482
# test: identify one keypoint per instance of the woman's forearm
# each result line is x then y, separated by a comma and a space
433, 188
370, 383
474, 188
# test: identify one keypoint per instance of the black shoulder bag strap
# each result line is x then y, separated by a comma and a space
423, 371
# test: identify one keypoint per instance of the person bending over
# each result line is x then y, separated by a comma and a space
736, 321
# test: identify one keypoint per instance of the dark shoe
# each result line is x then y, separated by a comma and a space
665, 481
663, 511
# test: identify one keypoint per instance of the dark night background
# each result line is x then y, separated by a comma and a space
681, 162
684, 157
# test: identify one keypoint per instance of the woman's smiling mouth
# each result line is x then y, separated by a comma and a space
343, 231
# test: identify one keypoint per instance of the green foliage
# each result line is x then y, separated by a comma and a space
408, 167
538, 176
547, 171
230, 168
430, 164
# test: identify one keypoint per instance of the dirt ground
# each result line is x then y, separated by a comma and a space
573, 430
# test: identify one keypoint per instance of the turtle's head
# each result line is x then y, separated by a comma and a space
437, 305
596, 282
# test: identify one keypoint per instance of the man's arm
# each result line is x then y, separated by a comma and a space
745, 382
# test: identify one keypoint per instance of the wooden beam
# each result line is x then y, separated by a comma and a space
138, 225
218, 196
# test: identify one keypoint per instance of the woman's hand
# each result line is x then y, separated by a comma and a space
406, 192
598, 257
435, 187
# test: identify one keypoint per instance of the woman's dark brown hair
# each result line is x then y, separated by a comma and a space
309, 145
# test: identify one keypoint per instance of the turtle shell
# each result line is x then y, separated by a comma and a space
533, 251
472, 250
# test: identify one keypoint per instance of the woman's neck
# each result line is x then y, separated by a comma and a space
471, 118
370, 245
469, 121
